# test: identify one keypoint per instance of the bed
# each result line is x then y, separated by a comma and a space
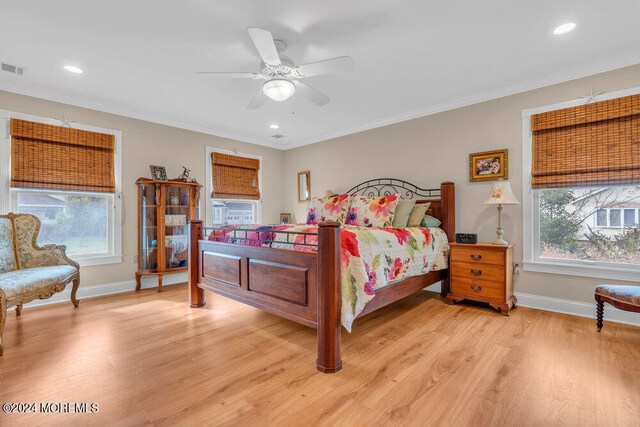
295, 271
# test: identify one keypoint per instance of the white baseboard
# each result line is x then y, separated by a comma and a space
577, 308
557, 305
109, 289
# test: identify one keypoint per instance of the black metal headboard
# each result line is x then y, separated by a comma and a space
388, 186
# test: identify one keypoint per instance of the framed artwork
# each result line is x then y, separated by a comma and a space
285, 218
489, 165
158, 173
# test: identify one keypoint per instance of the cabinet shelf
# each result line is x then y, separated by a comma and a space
170, 239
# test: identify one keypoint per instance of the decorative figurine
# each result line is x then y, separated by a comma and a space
173, 199
185, 175
185, 199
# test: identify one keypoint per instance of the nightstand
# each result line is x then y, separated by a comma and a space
482, 272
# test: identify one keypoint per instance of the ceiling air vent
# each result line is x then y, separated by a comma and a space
13, 69
277, 136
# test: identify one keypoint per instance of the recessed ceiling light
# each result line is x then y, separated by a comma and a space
73, 69
564, 28
274, 126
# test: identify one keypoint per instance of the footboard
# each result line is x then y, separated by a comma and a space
299, 286
304, 286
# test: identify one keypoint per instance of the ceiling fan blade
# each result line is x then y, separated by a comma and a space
226, 75
257, 101
311, 94
265, 45
327, 66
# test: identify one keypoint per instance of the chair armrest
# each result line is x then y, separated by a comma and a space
49, 255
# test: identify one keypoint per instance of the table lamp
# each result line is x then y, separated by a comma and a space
501, 194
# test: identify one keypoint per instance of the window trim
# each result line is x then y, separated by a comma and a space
531, 205
208, 208
7, 201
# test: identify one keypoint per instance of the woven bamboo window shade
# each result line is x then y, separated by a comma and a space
235, 177
595, 144
59, 158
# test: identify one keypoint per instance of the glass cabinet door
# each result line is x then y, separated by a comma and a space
148, 227
176, 217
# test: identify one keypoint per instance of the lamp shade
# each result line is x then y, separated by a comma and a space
501, 194
278, 89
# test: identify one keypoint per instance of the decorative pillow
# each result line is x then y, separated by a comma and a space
330, 208
403, 211
418, 212
373, 211
430, 221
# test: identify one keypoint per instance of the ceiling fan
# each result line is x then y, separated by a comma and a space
282, 76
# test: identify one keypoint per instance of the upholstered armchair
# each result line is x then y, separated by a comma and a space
28, 271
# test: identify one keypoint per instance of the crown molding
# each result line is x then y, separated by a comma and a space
573, 74
112, 109
576, 73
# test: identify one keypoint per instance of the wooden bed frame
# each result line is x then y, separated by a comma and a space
305, 286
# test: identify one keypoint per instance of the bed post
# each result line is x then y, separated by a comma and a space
196, 294
448, 199
329, 297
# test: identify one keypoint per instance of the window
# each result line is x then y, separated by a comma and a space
614, 218
78, 221
585, 224
79, 209
227, 212
630, 217
238, 204
582, 188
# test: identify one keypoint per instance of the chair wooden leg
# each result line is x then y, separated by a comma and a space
18, 309
74, 291
3, 317
599, 312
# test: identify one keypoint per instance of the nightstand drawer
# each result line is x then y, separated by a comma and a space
477, 271
477, 288
477, 255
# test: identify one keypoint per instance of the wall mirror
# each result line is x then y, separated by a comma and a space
304, 186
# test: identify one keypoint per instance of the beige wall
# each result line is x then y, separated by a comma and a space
435, 148
146, 143
424, 151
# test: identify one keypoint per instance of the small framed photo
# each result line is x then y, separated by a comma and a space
158, 173
285, 218
489, 165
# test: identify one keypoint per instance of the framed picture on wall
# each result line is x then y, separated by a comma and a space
489, 165
285, 218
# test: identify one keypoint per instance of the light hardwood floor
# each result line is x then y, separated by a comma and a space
147, 358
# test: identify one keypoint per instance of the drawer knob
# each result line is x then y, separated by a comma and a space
476, 257
476, 288
476, 272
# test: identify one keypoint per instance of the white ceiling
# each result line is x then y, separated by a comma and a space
411, 58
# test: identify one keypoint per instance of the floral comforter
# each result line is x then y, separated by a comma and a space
371, 258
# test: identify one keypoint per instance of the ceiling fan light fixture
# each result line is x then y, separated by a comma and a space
278, 89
